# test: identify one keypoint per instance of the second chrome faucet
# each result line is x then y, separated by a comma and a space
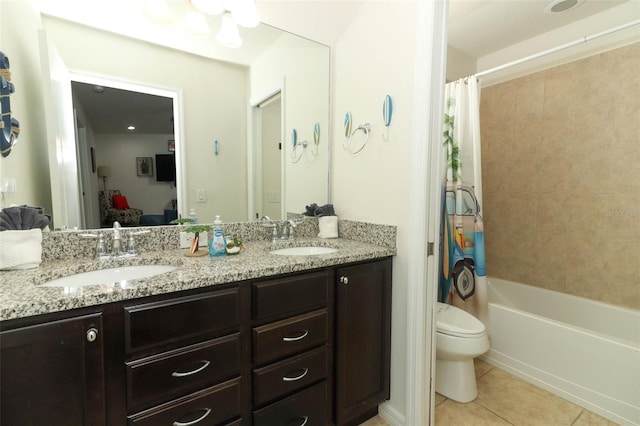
285, 231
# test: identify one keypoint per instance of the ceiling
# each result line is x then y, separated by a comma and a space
480, 27
113, 110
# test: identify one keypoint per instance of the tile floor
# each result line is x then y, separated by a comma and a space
504, 399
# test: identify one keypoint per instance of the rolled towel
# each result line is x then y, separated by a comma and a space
13, 215
23, 217
326, 210
20, 249
328, 226
5, 223
310, 210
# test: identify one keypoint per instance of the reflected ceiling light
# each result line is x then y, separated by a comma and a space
228, 36
195, 21
234, 13
131, 127
158, 11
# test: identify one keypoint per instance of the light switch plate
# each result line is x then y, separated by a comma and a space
201, 195
187, 237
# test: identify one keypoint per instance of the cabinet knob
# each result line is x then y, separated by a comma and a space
92, 334
344, 280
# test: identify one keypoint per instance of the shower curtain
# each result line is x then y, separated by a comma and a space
463, 271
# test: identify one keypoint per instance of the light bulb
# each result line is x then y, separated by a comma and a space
195, 22
228, 36
158, 11
211, 7
245, 14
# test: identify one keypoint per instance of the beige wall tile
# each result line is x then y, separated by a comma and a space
561, 177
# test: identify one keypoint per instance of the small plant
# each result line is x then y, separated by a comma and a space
196, 229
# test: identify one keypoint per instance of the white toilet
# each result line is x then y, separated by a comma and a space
460, 337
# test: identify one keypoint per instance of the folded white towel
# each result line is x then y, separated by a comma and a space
328, 226
20, 249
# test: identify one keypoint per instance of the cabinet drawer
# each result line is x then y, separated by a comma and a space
161, 377
185, 318
290, 336
286, 296
284, 377
212, 406
308, 408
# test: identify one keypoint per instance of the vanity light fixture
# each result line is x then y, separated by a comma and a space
131, 127
158, 11
229, 36
234, 12
195, 21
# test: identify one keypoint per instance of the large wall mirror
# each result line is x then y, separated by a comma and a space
228, 120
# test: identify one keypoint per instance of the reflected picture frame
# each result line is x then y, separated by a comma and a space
144, 166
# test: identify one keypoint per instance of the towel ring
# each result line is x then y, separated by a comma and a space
366, 128
296, 154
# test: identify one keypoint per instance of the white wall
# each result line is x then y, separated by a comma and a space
214, 100
119, 152
28, 162
375, 56
292, 59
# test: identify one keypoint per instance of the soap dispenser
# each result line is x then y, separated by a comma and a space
217, 243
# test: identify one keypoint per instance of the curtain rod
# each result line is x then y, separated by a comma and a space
558, 48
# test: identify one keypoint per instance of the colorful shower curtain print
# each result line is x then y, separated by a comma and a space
463, 270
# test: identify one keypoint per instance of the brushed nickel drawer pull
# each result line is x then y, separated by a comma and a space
293, 339
192, 372
293, 379
207, 411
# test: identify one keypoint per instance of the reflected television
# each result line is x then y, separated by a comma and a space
165, 167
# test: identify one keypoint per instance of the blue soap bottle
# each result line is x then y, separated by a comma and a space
217, 243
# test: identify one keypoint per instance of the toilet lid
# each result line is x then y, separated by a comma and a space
456, 322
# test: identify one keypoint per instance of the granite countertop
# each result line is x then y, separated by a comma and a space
22, 295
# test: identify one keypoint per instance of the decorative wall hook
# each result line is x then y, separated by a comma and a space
387, 112
366, 129
347, 125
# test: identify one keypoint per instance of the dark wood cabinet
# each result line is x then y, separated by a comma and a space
309, 348
363, 340
52, 373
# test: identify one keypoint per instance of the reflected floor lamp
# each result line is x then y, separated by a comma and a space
104, 172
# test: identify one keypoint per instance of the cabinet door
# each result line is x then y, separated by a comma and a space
363, 341
52, 373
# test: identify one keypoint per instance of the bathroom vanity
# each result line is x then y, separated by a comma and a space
308, 344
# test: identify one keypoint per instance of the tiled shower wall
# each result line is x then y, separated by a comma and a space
561, 178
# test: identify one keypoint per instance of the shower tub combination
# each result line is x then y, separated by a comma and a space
585, 351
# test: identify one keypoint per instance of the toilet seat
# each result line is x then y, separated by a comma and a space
453, 321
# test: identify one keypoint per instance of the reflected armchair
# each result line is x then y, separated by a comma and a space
117, 209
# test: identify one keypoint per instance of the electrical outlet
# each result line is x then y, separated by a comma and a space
187, 237
201, 195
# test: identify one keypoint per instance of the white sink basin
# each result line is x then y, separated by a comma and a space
108, 276
303, 251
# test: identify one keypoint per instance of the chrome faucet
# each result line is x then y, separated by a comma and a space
289, 230
116, 248
281, 232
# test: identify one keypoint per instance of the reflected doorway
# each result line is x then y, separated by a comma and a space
104, 109
268, 176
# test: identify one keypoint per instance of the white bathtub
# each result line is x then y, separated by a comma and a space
585, 351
